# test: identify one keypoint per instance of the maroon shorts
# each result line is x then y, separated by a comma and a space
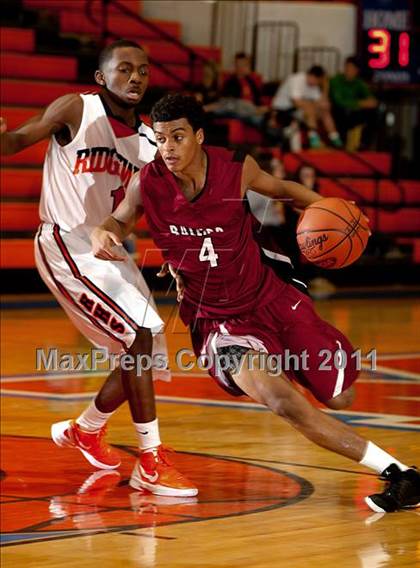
323, 361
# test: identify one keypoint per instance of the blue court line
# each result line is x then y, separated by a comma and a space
18, 536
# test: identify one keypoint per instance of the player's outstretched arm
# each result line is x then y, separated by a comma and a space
65, 111
253, 177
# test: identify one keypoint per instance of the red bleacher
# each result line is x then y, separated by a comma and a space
37, 93
383, 191
19, 253
24, 217
337, 163
401, 221
20, 183
20, 217
123, 26
24, 97
16, 116
17, 39
38, 66
75, 5
240, 133
33, 156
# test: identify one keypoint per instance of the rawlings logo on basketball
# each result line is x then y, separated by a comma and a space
309, 244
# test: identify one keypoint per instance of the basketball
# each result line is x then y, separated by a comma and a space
332, 233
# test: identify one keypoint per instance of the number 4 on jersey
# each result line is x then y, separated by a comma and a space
207, 252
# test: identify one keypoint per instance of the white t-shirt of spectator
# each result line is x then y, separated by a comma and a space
295, 87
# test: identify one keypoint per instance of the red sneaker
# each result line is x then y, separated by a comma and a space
154, 472
92, 444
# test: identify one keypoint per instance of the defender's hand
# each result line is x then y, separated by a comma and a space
104, 243
165, 269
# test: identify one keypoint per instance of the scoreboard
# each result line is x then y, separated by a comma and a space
389, 48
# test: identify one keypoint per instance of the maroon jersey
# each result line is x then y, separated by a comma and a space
209, 239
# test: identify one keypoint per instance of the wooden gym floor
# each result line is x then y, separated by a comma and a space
267, 498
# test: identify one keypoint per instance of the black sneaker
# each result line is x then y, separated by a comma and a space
402, 490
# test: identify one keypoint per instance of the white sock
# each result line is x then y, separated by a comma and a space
92, 419
334, 135
378, 460
148, 434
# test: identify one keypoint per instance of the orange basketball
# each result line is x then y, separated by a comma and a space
332, 233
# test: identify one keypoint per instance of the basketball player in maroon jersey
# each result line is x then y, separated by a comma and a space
233, 303
97, 142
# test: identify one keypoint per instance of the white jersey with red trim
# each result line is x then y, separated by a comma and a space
85, 180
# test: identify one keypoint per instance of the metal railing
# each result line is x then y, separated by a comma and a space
274, 48
328, 57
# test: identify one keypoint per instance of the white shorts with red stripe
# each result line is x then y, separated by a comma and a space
107, 301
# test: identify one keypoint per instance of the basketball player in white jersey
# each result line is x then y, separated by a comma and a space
97, 143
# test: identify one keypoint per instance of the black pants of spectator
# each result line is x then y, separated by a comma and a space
346, 119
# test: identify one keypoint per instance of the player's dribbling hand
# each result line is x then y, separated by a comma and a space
104, 243
3, 125
165, 269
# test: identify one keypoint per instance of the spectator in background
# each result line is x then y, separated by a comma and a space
268, 212
243, 84
352, 104
241, 95
208, 91
302, 97
306, 175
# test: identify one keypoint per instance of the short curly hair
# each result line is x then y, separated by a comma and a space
174, 106
108, 51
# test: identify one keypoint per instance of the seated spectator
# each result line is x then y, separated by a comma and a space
243, 84
352, 103
241, 94
208, 91
306, 175
266, 210
301, 97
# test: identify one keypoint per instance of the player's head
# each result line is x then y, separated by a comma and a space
242, 64
178, 125
351, 68
315, 76
123, 72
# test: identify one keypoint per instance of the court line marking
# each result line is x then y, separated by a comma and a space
63, 375
356, 418
307, 489
390, 371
